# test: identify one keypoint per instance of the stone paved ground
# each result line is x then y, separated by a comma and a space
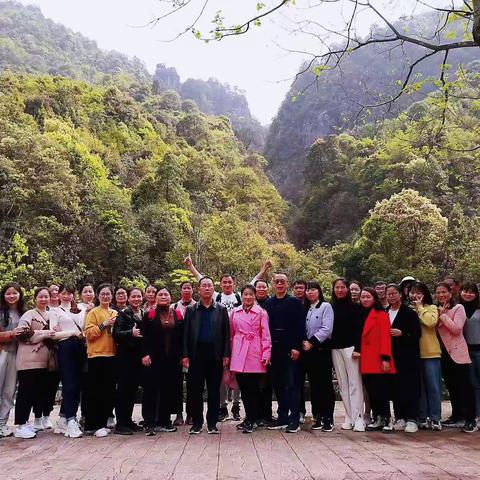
232, 455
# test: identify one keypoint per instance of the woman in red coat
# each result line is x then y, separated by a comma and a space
376, 362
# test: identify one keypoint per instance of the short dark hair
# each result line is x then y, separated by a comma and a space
105, 285
377, 305
38, 290
164, 287
130, 290
189, 282
205, 278
356, 282
300, 282
261, 280
313, 284
120, 287
471, 287
345, 282
396, 287
226, 275
249, 286
380, 282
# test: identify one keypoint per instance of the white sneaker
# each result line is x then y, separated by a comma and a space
400, 425
359, 425
346, 426
5, 431
302, 418
411, 427
24, 431
111, 422
61, 426
101, 432
38, 424
47, 423
73, 430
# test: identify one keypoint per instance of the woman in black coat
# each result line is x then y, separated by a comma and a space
405, 332
127, 333
162, 333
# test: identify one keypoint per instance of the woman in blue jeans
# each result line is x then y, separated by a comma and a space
67, 322
469, 298
430, 354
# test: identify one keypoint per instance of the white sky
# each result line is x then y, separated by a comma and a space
254, 62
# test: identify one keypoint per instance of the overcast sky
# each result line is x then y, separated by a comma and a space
257, 63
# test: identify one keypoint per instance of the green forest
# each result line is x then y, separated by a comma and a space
108, 174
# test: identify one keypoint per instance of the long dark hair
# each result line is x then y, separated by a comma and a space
377, 305
423, 289
345, 282
70, 289
312, 284
4, 305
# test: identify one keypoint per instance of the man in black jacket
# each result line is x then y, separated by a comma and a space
206, 351
287, 329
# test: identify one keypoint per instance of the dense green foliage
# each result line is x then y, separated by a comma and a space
96, 185
31, 43
215, 98
325, 102
349, 179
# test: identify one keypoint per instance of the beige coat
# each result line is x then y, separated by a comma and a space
32, 351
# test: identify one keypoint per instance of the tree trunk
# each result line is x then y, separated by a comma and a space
476, 21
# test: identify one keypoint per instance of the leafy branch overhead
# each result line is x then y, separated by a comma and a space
337, 44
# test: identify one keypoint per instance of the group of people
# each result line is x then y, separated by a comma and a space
389, 342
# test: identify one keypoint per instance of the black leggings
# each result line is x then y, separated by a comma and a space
32, 392
457, 380
249, 384
100, 392
378, 387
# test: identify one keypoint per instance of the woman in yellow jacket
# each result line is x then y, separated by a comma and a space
100, 389
430, 354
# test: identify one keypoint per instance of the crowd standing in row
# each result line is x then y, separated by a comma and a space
385, 343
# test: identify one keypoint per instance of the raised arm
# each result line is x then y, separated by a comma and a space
267, 265
189, 264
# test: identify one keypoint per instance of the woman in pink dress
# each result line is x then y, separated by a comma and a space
251, 349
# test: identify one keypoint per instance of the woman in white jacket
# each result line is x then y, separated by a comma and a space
67, 321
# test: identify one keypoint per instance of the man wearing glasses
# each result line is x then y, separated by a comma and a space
287, 329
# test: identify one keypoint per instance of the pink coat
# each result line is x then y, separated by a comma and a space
450, 329
250, 337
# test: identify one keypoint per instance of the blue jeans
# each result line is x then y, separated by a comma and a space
71, 364
475, 378
430, 395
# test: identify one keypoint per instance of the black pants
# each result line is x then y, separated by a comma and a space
378, 387
177, 387
457, 380
318, 366
266, 394
286, 379
205, 368
100, 392
52, 381
406, 393
249, 384
129, 378
31, 392
71, 363
159, 398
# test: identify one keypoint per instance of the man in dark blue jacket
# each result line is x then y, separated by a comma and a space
287, 329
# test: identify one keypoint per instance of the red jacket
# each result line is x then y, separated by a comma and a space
376, 342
